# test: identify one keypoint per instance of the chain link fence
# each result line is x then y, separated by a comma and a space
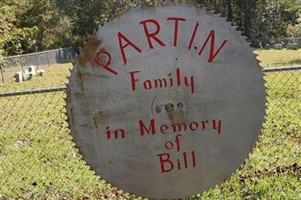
40, 61
277, 43
38, 159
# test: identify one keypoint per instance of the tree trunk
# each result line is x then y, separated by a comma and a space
247, 21
230, 12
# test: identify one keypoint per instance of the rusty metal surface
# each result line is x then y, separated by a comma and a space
168, 104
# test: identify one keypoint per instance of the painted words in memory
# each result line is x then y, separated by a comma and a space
152, 29
168, 161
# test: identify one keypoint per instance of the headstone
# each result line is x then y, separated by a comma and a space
278, 46
267, 46
32, 70
166, 102
292, 45
26, 75
41, 72
19, 77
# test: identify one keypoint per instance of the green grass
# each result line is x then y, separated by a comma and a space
275, 58
55, 75
39, 161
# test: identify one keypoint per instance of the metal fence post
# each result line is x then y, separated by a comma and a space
35, 56
47, 56
2, 75
21, 64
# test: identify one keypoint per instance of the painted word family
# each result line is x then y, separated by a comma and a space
174, 79
152, 29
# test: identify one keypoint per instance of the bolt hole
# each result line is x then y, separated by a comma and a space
158, 109
169, 107
180, 105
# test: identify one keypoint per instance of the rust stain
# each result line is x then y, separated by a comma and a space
79, 75
100, 117
171, 117
89, 50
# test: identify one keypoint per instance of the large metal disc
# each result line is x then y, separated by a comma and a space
166, 102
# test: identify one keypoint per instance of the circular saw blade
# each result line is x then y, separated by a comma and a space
166, 102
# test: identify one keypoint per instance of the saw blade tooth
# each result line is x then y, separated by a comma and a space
94, 33
67, 77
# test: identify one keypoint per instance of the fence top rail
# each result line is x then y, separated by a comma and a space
63, 88
278, 69
37, 53
34, 91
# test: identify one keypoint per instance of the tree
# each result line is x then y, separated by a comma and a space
229, 12
88, 15
276, 18
7, 21
22, 40
36, 25
43, 15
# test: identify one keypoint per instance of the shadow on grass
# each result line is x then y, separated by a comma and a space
296, 61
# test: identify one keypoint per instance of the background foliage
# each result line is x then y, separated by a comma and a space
28, 26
